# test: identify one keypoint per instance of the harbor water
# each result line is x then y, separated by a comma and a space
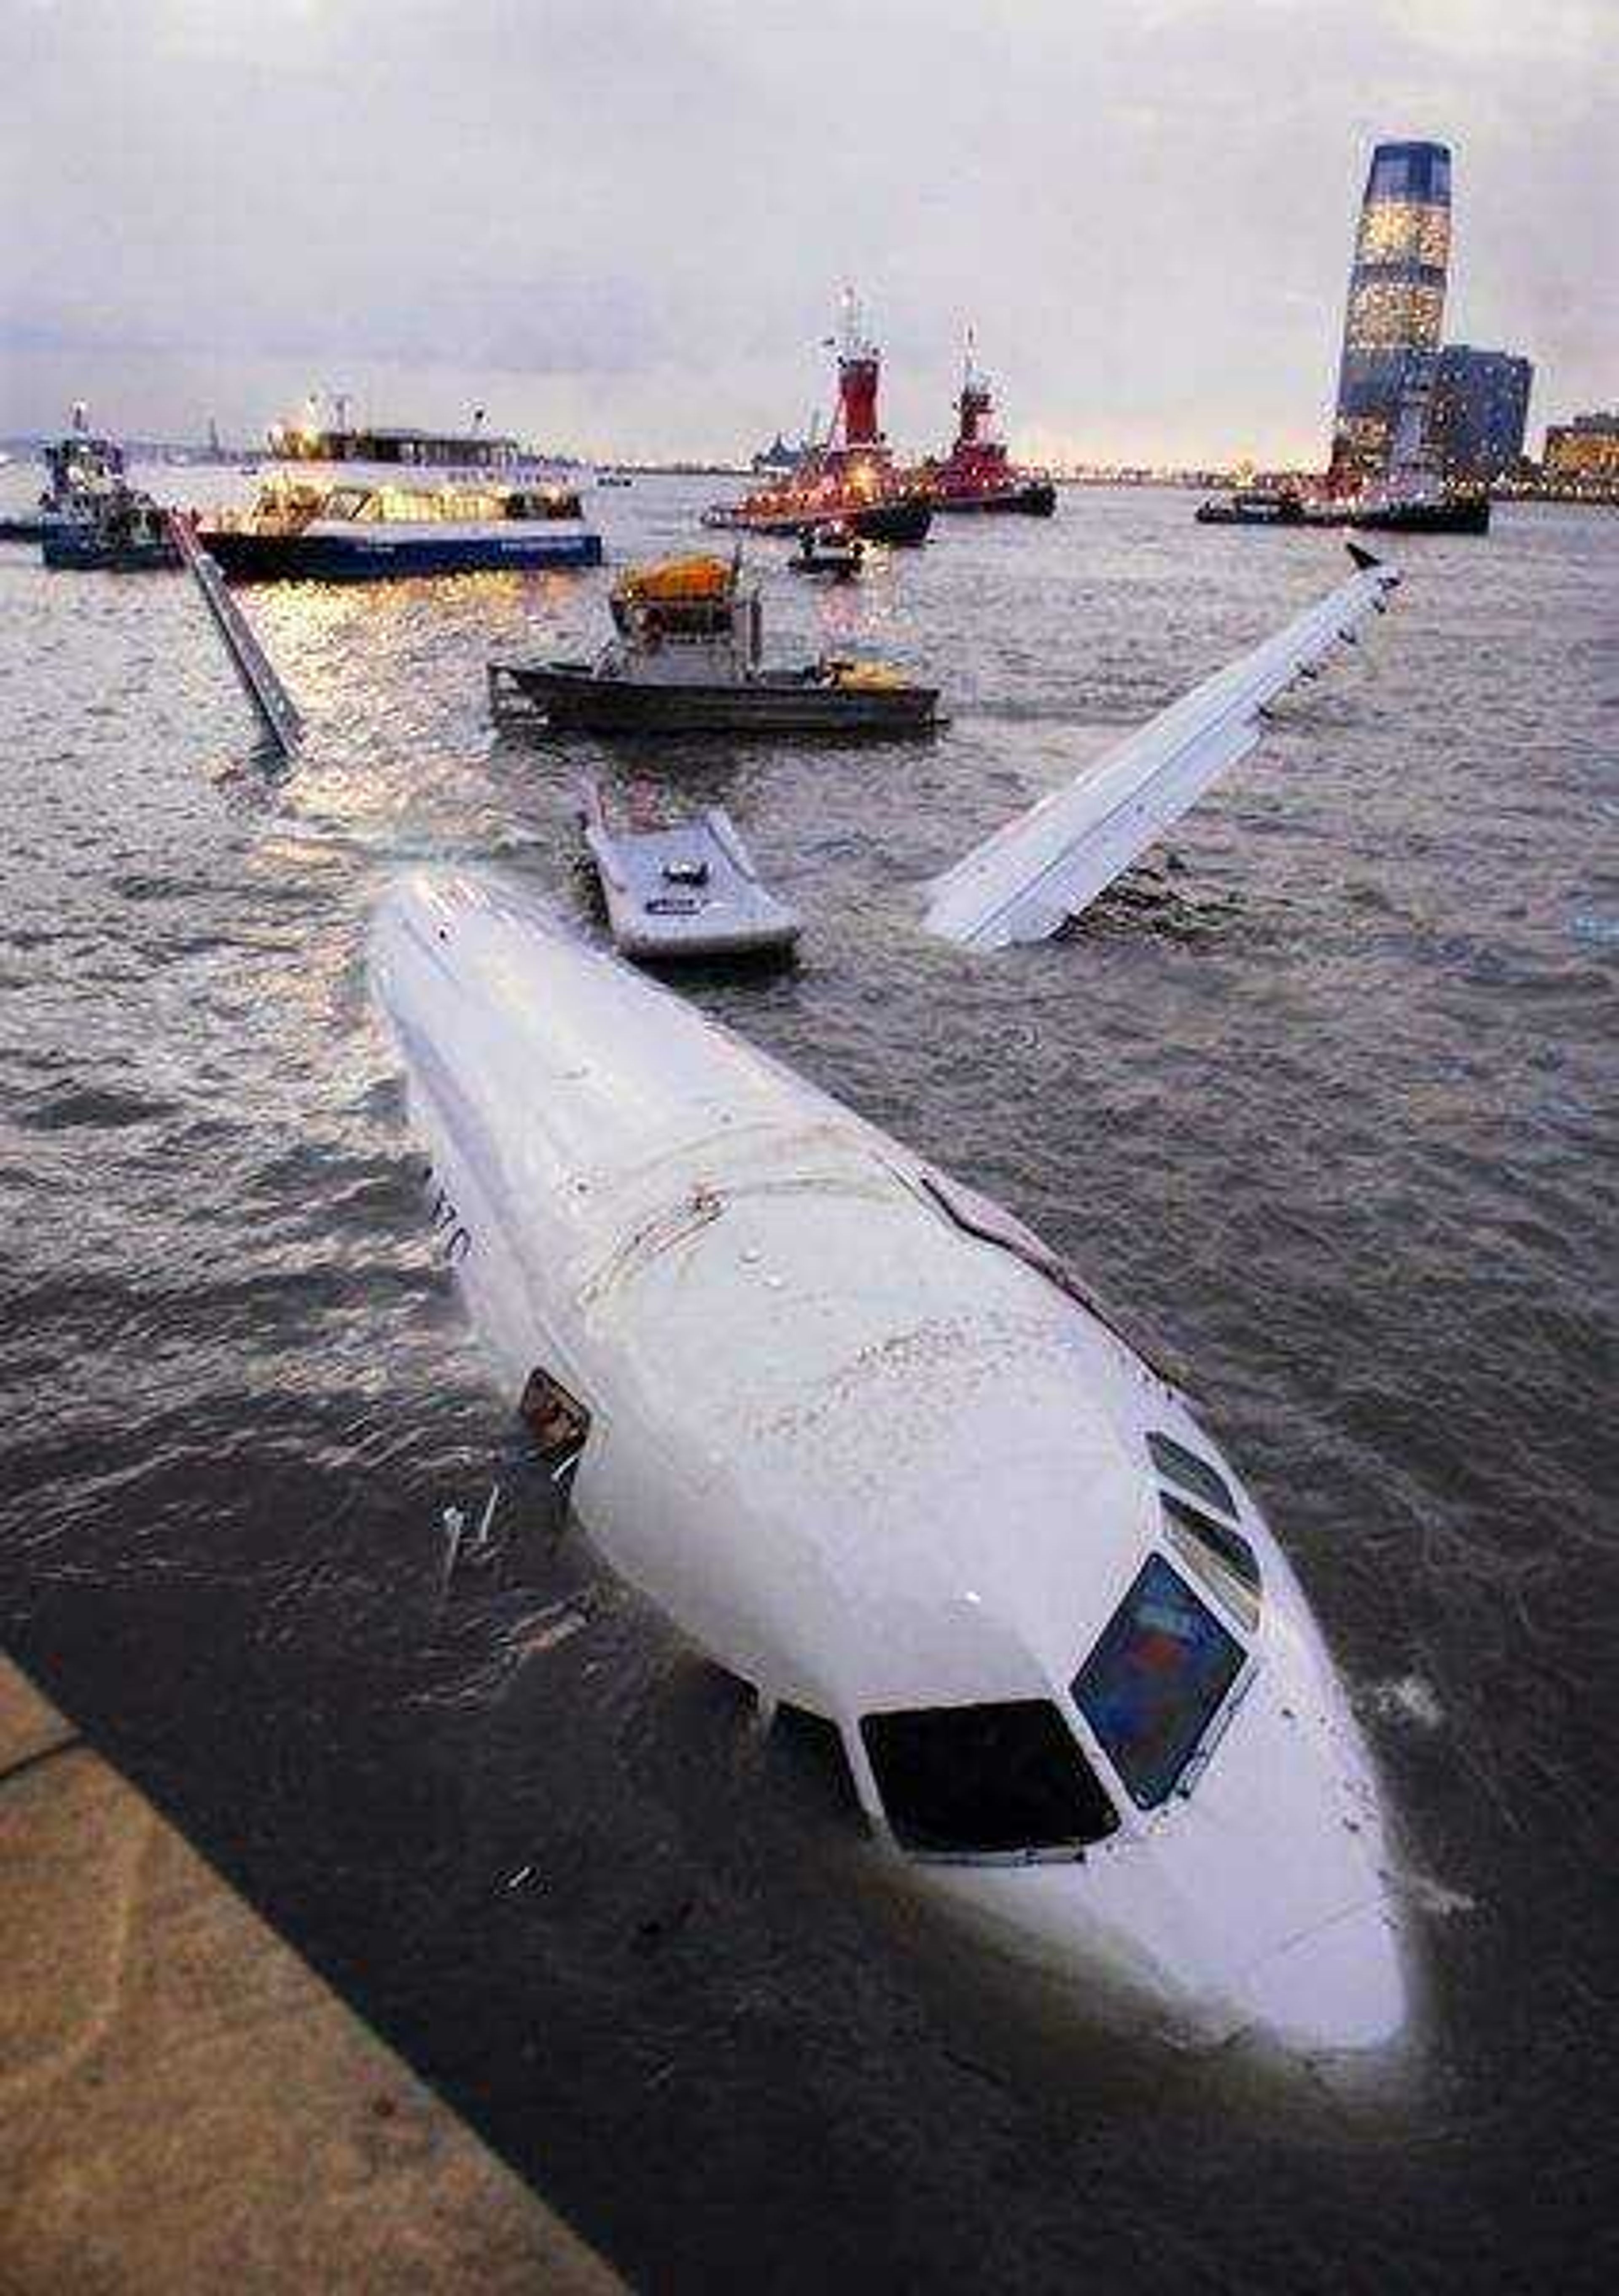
1323, 1098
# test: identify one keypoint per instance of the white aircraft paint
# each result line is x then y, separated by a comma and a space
873, 1453
1039, 871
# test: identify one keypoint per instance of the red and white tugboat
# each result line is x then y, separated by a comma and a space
977, 474
852, 480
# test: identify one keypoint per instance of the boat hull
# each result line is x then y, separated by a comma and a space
1217, 513
378, 558
67, 552
902, 523
1469, 515
574, 700
1031, 498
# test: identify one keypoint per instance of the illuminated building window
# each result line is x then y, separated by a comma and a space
1401, 231
1394, 315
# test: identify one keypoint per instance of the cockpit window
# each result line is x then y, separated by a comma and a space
986, 1781
1215, 1553
1191, 1473
1156, 1681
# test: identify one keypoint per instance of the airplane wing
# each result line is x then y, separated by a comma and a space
1032, 876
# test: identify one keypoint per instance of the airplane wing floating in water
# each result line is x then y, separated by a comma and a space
1027, 880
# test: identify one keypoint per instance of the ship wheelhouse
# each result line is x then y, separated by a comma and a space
405, 450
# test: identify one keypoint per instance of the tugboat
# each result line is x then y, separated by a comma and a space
379, 533
686, 659
1411, 498
91, 518
976, 474
852, 480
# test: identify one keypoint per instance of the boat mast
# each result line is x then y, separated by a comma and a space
973, 406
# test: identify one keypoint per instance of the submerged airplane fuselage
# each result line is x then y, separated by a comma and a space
857, 1434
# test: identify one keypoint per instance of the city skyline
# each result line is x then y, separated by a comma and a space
606, 237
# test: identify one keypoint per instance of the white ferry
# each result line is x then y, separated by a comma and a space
295, 531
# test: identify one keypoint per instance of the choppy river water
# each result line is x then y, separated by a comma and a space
1331, 1109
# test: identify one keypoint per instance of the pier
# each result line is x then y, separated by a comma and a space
187, 2106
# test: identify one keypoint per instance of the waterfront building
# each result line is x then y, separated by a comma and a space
1480, 411
1584, 451
1396, 302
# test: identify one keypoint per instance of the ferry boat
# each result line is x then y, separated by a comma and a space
368, 453
852, 479
369, 532
687, 659
977, 473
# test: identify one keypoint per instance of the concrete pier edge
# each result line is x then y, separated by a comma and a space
185, 2106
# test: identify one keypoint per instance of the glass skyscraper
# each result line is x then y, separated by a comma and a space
1396, 302
1481, 411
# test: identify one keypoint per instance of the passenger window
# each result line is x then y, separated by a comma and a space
1219, 1555
558, 1422
985, 1781
1191, 1473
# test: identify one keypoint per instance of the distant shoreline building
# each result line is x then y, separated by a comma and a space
1585, 451
1480, 411
780, 459
1395, 308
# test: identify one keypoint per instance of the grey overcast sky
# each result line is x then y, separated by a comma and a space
622, 224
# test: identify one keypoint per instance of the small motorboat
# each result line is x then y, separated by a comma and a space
686, 659
685, 889
1254, 506
834, 553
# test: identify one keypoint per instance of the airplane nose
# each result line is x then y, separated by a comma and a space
1339, 1987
